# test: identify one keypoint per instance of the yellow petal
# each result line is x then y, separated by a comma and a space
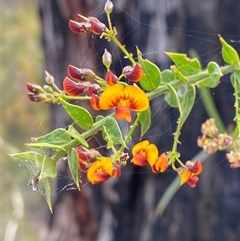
151, 154
138, 99
111, 96
140, 146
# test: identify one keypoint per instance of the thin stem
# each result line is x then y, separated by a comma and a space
123, 49
236, 86
129, 135
109, 22
68, 97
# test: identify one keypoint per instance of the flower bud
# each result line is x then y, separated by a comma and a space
224, 141
94, 101
34, 88
107, 59
111, 78
77, 27
36, 97
49, 78
108, 7
85, 155
134, 73
93, 89
209, 128
48, 89
72, 88
81, 18
194, 167
80, 74
97, 27
210, 146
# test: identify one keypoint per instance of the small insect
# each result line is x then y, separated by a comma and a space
34, 182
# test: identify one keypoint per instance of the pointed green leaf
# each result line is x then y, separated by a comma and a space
172, 98
145, 121
152, 74
73, 165
229, 54
167, 76
29, 156
76, 135
214, 76
185, 65
56, 137
45, 145
79, 114
49, 168
48, 193
111, 131
178, 74
188, 100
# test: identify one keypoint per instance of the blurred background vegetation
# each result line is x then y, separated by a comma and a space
22, 62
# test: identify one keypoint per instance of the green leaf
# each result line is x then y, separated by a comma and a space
229, 54
152, 74
45, 145
73, 165
29, 156
172, 98
145, 120
56, 137
185, 65
80, 115
178, 74
167, 76
187, 101
76, 135
214, 76
49, 168
111, 131
48, 193
183, 99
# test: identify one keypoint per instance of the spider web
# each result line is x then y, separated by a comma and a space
157, 106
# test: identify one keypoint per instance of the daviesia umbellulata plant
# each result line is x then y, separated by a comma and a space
128, 98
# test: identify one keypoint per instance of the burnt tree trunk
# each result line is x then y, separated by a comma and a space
123, 209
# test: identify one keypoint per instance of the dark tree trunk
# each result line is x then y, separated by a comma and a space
123, 209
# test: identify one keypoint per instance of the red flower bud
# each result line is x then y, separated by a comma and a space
134, 73
36, 97
80, 74
72, 88
77, 27
95, 102
97, 27
34, 88
81, 18
194, 167
93, 89
111, 78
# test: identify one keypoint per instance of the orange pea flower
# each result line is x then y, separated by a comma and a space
123, 99
190, 174
161, 164
100, 171
144, 153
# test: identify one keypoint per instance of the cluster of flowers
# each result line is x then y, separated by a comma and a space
100, 168
111, 93
212, 141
